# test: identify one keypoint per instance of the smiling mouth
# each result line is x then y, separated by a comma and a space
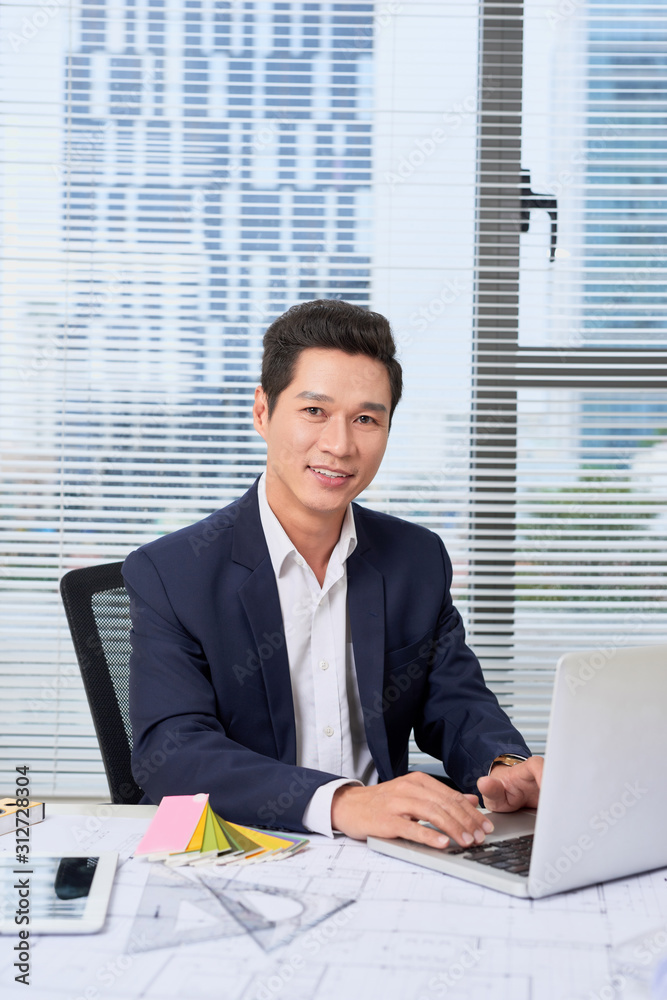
329, 473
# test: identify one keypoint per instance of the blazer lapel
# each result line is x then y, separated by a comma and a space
259, 596
365, 601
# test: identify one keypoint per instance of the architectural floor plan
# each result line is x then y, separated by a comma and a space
288, 930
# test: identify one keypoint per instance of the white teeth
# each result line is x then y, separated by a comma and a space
331, 475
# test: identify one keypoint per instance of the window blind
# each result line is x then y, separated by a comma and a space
177, 174
568, 533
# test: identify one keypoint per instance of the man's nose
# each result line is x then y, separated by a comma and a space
336, 437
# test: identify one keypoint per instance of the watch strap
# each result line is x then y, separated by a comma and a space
508, 759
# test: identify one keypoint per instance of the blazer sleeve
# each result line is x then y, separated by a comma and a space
180, 746
461, 722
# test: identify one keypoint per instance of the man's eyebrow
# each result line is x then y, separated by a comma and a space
319, 397
378, 407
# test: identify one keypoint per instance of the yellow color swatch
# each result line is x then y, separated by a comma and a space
198, 836
270, 841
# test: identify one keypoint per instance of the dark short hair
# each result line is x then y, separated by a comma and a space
329, 323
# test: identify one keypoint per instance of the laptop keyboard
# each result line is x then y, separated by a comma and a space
511, 855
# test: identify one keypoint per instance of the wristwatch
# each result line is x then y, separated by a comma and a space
508, 759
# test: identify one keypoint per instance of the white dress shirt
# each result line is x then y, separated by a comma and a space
330, 734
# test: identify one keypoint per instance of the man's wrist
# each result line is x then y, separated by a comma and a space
506, 760
340, 807
318, 813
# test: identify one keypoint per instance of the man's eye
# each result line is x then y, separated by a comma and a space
313, 410
366, 419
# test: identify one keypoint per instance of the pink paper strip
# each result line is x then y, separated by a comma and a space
174, 823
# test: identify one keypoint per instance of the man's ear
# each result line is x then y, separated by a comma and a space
260, 412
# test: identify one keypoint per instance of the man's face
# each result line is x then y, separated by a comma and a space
328, 431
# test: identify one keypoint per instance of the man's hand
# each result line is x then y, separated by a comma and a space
394, 808
510, 788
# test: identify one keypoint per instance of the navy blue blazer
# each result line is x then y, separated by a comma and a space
210, 692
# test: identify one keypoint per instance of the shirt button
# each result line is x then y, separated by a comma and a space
324, 664
328, 731
299, 561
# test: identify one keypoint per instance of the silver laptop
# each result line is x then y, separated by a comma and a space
603, 802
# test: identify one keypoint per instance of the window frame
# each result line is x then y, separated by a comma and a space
500, 366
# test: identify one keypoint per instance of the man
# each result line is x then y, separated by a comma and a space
285, 647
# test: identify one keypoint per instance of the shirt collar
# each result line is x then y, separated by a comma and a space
279, 544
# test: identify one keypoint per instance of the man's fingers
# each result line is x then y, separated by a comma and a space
494, 794
395, 809
464, 821
410, 830
518, 788
454, 814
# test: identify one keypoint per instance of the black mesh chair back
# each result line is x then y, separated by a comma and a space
98, 613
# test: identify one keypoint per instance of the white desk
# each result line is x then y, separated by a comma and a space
411, 934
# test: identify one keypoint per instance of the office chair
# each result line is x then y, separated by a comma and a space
98, 613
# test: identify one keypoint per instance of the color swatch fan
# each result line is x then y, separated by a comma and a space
186, 831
